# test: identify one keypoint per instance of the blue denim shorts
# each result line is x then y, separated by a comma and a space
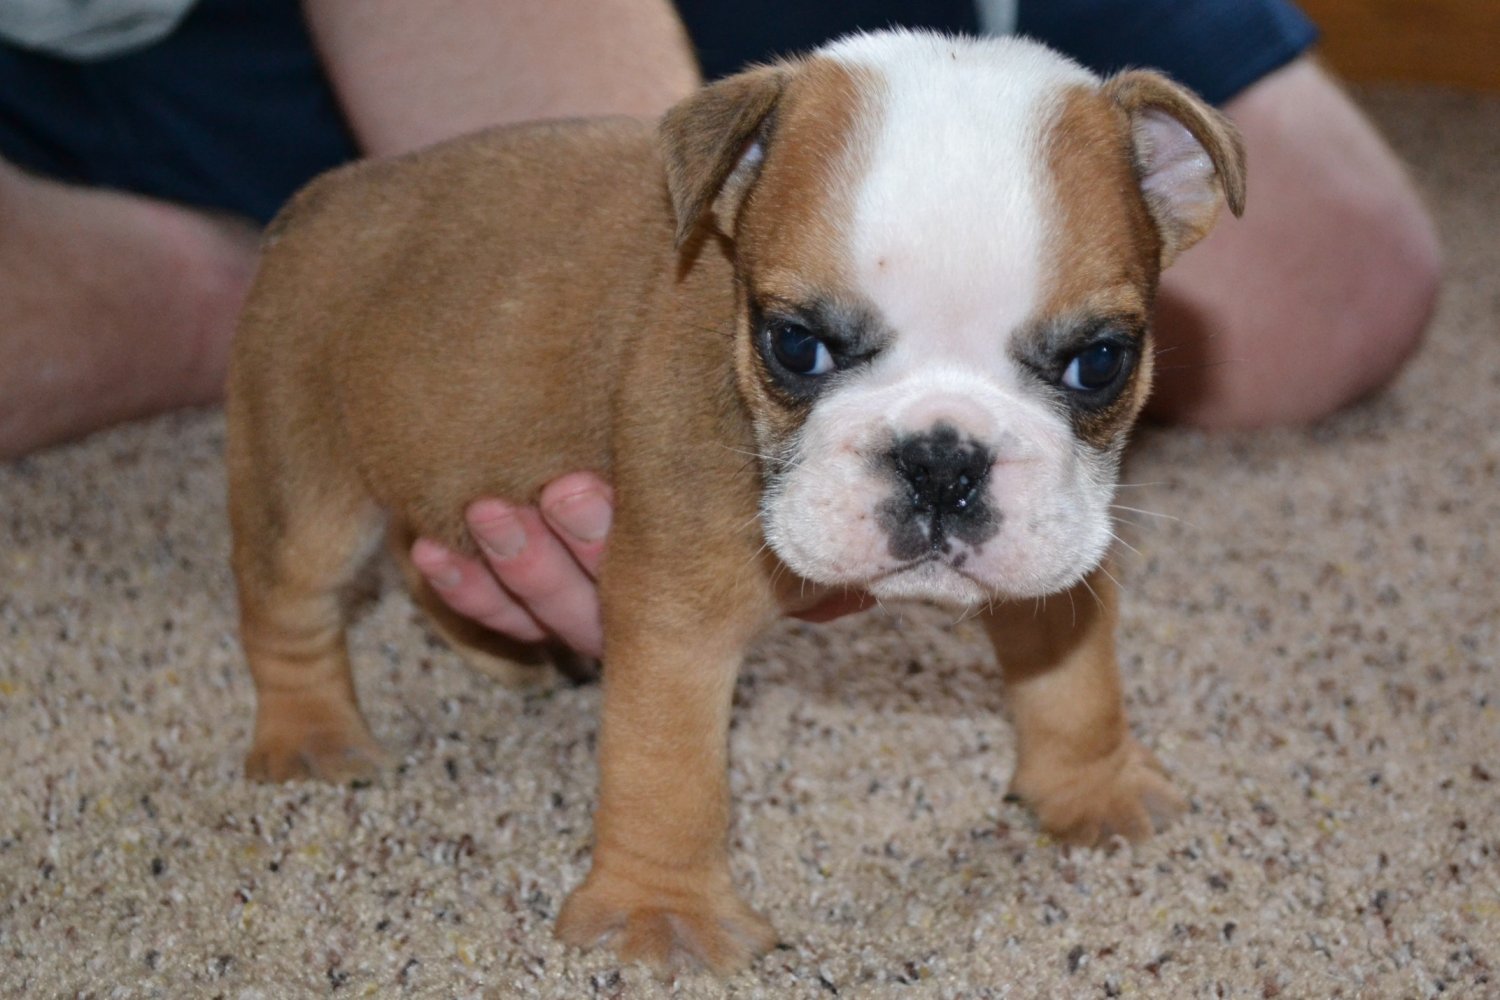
1217, 47
232, 110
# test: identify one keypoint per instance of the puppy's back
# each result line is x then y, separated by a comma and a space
445, 323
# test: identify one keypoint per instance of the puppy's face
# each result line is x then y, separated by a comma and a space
948, 252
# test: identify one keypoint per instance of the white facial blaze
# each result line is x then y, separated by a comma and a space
952, 215
949, 242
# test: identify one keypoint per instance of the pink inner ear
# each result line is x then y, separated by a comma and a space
1179, 171
755, 151
726, 202
746, 166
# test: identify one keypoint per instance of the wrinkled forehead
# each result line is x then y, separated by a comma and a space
950, 188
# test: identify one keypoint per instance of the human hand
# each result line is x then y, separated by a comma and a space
538, 576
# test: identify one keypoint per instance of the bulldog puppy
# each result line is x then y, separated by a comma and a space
874, 319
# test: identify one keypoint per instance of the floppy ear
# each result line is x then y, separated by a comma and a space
713, 144
1187, 155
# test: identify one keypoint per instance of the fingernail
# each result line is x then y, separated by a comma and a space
445, 577
585, 516
434, 563
501, 534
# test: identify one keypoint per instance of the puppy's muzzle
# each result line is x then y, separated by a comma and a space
939, 494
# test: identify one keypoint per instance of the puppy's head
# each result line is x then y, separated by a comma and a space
947, 251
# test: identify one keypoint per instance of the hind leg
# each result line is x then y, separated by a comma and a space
299, 542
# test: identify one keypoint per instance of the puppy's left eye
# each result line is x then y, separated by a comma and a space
799, 351
1096, 367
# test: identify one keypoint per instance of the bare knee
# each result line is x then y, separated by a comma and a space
112, 306
1404, 276
1320, 294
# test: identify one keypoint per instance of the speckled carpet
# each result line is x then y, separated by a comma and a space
1310, 644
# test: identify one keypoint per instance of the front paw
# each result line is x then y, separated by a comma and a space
1126, 793
696, 921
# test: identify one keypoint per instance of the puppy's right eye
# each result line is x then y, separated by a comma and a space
798, 351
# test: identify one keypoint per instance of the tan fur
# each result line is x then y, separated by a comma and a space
478, 318
1139, 92
703, 140
1077, 764
795, 247
400, 356
1106, 249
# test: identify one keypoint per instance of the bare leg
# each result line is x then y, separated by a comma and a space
407, 75
112, 307
1320, 293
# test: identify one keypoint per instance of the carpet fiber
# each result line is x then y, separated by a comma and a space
1309, 643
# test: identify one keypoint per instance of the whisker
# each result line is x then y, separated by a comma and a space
968, 614
1201, 366
1112, 578
1092, 593
1148, 513
749, 521
1120, 541
1209, 337
784, 462
754, 556
774, 459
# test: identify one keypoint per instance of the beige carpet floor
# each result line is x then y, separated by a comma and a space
1310, 643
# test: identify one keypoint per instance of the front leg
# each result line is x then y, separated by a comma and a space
1077, 765
660, 890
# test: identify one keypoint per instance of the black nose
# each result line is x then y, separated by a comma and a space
944, 473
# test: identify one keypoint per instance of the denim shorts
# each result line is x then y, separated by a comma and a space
232, 110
